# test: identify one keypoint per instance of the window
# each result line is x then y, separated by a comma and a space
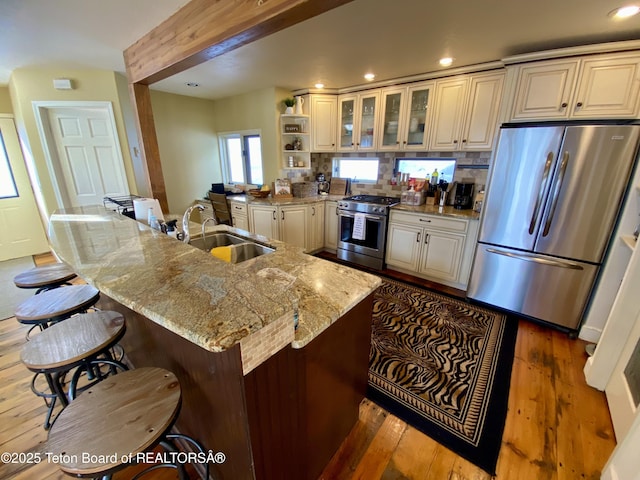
241, 154
424, 167
361, 170
7, 183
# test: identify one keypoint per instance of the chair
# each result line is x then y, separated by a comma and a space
82, 342
110, 426
221, 208
45, 277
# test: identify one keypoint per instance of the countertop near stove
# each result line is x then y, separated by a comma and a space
248, 199
467, 214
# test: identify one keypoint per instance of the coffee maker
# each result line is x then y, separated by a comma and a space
463, 196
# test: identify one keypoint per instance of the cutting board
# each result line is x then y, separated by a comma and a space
338, 186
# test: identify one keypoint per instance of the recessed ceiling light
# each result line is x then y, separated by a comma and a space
624, 12
369, 76
446, 61
192, 84
319, 85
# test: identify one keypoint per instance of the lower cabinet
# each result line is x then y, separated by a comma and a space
301, 225
239, 216
432, 247
331, 226
316, 232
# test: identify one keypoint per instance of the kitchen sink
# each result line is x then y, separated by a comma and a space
241, 249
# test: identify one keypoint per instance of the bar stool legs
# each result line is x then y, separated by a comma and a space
147, 402
84, 343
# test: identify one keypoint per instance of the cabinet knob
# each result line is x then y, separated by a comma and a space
579, 104
352, 144
397, 143
357, 144
404, 142
564, 105
455, 141
464, 140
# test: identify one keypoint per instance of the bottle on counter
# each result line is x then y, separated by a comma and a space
434, 178
153, 220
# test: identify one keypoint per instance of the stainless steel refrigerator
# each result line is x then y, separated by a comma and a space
552, 202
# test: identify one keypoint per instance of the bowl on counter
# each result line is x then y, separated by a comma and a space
256, 193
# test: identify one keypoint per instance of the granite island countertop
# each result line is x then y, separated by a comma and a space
207, 301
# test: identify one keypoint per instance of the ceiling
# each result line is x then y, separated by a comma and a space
390, 38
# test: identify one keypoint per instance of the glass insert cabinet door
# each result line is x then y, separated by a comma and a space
417, 116
367, 125
347, 114
393, 103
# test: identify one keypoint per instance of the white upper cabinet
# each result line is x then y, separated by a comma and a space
324, 112
591, 87
405, 117
465, 112
357, 121
608, 87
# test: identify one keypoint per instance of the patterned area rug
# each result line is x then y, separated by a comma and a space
443, 366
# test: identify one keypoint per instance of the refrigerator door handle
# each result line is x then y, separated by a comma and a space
543, 184
537, 259
556, 192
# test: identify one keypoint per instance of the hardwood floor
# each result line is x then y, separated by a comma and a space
557, 427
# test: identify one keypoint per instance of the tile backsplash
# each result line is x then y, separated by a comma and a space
322, 163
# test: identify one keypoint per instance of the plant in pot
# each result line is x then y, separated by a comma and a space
289, 102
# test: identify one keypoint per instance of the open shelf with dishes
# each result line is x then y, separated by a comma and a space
295, 141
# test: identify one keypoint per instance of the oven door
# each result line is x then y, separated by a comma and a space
375, 232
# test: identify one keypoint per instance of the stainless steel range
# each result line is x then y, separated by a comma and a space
362, 229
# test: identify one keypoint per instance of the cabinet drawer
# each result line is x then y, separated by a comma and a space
238, 208
430, 221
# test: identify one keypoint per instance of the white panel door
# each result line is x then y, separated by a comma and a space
89, 155
22, 230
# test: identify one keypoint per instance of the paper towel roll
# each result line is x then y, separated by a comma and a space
141, 208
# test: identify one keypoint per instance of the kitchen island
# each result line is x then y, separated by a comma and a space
277, 401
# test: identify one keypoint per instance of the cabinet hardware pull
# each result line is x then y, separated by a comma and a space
464, 140
418, 238
564, 105
455, 141
283, 215
274, 214
579, 104
336, 211
426, 238
423, 220
314, 211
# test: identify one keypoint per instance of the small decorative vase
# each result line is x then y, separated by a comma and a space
289, 111
299, 103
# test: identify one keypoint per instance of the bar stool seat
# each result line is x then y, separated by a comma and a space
116, 419
45, 277
56, 305
77, 342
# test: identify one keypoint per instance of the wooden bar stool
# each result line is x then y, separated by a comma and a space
105, 428
45, 277
83, 342
55, 305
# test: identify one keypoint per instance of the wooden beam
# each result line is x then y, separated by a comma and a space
149, 151
204, 29
200, 31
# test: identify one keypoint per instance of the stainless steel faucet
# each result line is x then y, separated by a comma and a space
185, 221
208, 219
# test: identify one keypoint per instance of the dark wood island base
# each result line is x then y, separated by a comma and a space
283, 420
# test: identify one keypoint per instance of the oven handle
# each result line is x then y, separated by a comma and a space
368, 217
